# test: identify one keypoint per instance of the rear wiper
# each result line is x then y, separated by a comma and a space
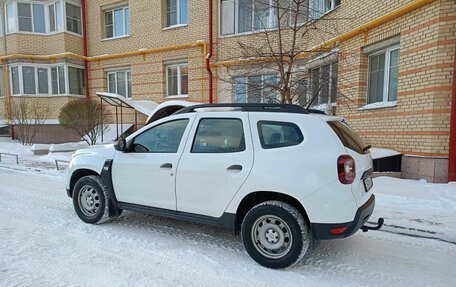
366, 148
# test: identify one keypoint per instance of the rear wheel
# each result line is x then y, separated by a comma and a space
275, 234
90, 199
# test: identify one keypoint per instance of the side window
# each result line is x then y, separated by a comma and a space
219, 136
279, 134
164, 138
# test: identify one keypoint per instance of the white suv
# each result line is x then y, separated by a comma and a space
279, 174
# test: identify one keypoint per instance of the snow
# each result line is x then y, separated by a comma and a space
67, 147
40, 147
43, 243
378, 105
382, 152
143, 106
417, 207
110, 134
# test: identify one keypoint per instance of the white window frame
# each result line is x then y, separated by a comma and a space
31, 3
246, 83
178, 12
48, 67
64, 16
179, 80
58, 28
48, 31
8, 29
320, 75
271, 19
386, 80
115, 72
114, 36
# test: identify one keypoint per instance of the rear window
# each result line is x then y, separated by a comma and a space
347, 136
279, 134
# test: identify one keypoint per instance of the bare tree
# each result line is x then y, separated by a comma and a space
286, 31
85, 118
27, 116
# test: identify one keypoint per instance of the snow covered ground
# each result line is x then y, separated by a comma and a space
43, 243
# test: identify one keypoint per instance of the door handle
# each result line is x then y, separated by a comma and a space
237, 167
166, 165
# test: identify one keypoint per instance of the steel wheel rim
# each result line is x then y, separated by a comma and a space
271, 236
89, 201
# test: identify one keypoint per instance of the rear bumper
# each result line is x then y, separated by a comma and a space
322, 231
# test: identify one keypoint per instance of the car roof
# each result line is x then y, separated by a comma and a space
244, 107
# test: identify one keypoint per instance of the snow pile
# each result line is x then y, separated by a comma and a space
382, 152
66, 147
40, 147
417, 206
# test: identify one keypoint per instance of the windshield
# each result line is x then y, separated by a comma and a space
348, 137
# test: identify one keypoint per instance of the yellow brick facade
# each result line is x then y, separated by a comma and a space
418, 124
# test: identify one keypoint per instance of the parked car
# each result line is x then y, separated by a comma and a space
279, 174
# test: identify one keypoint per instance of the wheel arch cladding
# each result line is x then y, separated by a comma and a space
254, 198
78, 174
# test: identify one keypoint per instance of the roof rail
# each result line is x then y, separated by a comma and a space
253, 107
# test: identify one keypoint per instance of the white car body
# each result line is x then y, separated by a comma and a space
200, 187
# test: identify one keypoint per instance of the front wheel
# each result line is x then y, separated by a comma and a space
90, 199
275, 234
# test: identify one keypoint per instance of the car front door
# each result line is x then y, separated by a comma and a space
215, 163
145, 175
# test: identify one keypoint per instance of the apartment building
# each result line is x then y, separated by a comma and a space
386, 66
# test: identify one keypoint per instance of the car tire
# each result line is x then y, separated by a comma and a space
275, 234
90, 200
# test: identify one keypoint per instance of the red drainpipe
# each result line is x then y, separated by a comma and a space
84, 37
452, 155
209, 54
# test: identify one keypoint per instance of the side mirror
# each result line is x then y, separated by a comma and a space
121, 145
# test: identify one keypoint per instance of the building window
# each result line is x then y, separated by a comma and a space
76, 80
176, 12
10, 18
43, 80
323, 84
73, 18
255, 89
58, 80
177, 80
119, 82
1, 82
318, 8
15, 82
383, 76
31, 17
241, 16
55, 17
117, 22
39, 79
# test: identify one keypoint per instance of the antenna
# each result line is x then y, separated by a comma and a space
315, 96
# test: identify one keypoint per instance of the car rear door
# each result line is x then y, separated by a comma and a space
216, 161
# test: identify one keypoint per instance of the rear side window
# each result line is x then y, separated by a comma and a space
219, 136
347, 136
279, 134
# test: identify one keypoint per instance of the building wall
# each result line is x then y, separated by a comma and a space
148, 73
419, 124
19, 43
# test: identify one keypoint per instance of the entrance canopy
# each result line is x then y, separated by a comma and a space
152, 110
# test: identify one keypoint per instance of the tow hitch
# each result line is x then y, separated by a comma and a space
366, 228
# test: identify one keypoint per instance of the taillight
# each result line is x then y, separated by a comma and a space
346, 169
